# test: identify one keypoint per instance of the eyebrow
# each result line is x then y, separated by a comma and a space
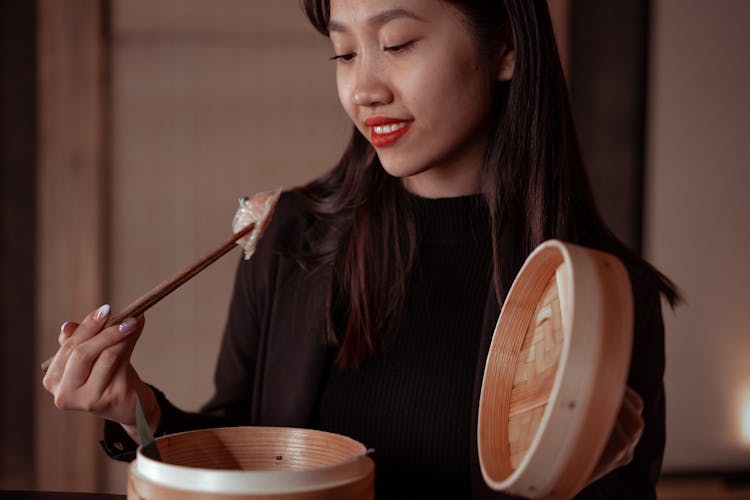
377, 20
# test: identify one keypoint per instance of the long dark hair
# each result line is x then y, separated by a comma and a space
533, 183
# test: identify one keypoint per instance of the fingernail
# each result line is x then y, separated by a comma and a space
102, 312
128, 325
63, 326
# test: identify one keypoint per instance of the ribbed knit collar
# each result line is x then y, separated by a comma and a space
461, 218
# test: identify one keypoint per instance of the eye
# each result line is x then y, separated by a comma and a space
403, 47
343, 57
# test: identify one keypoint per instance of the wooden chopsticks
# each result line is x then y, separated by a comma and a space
150, 298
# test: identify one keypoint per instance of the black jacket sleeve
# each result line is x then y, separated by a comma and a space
119, 445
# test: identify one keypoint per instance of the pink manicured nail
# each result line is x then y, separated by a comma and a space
128, 325
102, 312
63, 326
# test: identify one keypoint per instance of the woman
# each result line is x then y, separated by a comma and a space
368, 307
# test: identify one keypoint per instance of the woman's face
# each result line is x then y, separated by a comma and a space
411, 77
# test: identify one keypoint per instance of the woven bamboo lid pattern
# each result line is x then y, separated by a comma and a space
556, 372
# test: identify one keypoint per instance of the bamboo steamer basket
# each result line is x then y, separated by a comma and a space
279, 463
556, 372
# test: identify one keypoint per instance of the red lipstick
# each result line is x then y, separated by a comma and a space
385, 131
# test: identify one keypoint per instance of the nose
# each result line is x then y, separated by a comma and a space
370, 87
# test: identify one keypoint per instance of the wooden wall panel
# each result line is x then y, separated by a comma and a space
71, 200
201, 21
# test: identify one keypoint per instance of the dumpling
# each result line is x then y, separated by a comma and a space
259, 209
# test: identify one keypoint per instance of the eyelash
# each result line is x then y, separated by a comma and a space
399, 48
342, 57
395, 49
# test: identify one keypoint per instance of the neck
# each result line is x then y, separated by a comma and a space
437, 183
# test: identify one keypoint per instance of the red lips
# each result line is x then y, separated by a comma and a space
385, 130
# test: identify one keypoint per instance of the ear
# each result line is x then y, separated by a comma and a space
507, 63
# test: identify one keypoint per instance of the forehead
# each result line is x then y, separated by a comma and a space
349, 14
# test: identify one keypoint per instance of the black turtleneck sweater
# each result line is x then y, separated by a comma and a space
413, 403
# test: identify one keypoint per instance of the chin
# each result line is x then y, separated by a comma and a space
400, 167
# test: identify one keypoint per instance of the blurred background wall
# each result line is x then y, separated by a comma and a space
698, 224
134, 125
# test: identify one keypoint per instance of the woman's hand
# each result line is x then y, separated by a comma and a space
91, 371
624, 437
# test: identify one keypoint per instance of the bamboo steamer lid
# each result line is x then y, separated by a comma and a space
556, 372
279, 463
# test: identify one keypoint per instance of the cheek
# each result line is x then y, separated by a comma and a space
421, 89
345, 89
467, 94
446, 95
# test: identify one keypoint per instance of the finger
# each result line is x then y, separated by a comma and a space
610, 455
626, 435
55, 366
85, 354
625, 456
91, 325
112, 359
66, 330
633, 399
623, 438
634, 431
618, 446
630, 418
136, 334
619, 438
